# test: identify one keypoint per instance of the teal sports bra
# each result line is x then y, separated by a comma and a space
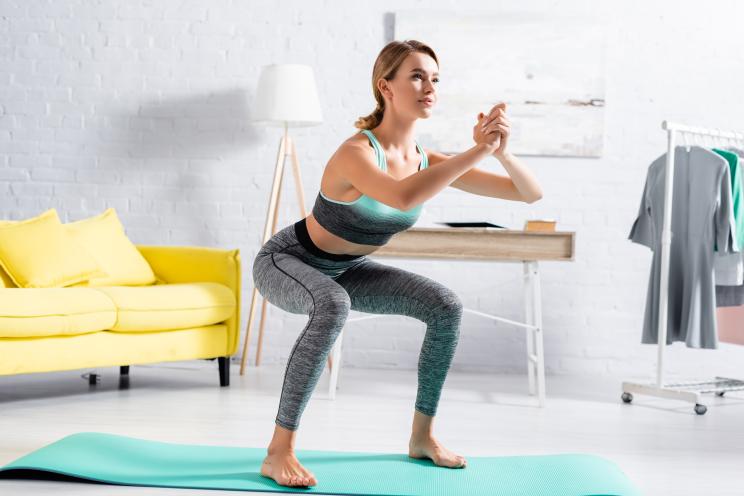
365, 220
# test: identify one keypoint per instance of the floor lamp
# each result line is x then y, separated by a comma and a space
287, 97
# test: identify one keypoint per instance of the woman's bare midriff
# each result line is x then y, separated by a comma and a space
331, 243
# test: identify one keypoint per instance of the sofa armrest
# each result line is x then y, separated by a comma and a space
174, 264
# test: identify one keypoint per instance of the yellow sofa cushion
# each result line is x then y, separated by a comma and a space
104, 238
36, 312
170, 306
107, 349
39, 253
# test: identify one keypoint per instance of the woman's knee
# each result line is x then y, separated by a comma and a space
331, 308
446, 304
334, 302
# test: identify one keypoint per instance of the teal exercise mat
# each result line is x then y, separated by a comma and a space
114, 459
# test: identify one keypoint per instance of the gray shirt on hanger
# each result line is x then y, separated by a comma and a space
702, 215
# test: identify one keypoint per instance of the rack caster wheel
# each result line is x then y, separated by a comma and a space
627, 397
700, 409
720, 393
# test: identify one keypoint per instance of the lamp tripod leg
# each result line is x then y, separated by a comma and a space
268, 228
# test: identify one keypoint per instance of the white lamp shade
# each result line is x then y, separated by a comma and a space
287, 94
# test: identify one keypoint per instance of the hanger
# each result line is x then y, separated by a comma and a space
686, 142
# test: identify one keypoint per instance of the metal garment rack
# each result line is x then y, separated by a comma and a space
692, 390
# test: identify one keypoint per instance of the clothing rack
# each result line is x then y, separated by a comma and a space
691, 390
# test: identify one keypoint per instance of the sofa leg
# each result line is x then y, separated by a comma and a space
124, 370
224, 366
93, 378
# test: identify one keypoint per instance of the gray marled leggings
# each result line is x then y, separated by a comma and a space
295, 275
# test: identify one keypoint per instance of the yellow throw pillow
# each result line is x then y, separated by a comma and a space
39, 253
104, 238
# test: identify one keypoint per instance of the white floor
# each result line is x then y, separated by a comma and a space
661, 445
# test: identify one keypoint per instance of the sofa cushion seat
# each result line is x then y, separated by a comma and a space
169, 306
39, 312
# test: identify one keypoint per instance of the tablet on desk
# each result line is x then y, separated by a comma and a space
471, 224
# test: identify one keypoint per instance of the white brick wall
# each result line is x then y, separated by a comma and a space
144, 106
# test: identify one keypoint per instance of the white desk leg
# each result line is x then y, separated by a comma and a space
536, 304
528, 319
336, 366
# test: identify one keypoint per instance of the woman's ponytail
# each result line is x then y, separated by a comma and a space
372, 120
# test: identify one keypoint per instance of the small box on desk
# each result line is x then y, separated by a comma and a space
540, 225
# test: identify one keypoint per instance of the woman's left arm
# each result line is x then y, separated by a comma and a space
520, 176
519, 185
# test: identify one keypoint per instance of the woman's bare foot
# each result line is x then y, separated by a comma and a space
428, 447
286, 470
423, 444
281, 464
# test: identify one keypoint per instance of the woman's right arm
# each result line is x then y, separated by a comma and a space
424, 185
358, 167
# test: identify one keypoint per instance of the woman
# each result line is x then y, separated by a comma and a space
373, 187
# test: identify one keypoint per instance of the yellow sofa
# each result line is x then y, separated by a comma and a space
192, 312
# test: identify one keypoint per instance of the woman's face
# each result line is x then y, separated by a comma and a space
413, 91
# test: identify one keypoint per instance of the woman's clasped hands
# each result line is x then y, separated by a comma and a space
493, 129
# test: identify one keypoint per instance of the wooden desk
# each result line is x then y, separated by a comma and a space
499, 245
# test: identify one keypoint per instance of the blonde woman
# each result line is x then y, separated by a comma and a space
374, 186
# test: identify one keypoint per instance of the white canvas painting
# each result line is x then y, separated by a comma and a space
549, 71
